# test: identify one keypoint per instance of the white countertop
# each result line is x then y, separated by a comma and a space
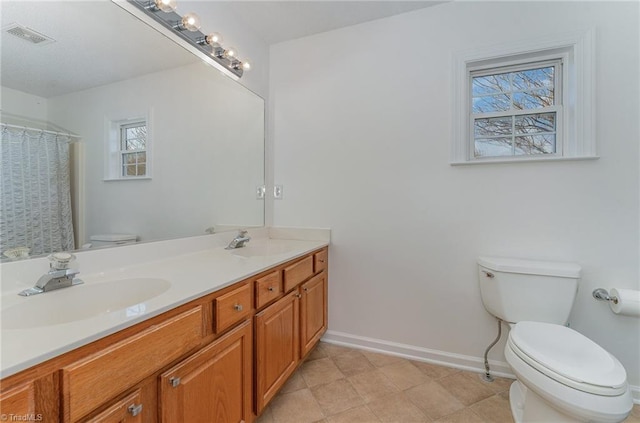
183, 277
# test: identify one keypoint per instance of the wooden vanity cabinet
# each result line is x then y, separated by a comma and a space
277, 347
212, 385
215, 359
288, 329
313, 312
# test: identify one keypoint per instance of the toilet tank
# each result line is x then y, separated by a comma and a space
516, 290
104, 240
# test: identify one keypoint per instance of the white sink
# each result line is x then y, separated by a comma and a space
82, 302
257, 250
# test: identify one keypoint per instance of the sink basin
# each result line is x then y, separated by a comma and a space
261, 250
82, 302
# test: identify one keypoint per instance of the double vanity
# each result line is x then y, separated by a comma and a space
177, 331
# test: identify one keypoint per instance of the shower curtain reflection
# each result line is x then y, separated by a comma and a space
35, 198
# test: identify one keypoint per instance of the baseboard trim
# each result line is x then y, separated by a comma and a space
442, 358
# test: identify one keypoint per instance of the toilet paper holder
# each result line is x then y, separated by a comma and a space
602, 294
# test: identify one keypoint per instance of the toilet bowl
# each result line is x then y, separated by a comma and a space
562, 376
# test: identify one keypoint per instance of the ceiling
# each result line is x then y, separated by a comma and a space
93, 38
277, 21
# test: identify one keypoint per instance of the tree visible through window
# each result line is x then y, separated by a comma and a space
133, 149
515, 110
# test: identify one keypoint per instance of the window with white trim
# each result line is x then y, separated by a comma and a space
133, 149
128, 148
524, 101
516, 110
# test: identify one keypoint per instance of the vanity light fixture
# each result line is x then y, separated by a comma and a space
162, 5
187, 27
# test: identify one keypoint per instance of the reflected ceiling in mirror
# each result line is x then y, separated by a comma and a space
105, 67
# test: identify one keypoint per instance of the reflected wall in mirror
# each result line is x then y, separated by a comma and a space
198, 168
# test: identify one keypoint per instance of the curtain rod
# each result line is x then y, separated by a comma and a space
44, 131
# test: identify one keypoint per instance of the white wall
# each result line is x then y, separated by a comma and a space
207, 147
17, 106
361, 124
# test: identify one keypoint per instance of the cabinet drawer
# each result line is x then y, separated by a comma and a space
94, 380
232, 307
127, 410
297, 273
268, 288
320, 261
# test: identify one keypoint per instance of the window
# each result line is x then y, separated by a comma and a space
128, 148
133, 149
516, 110
525, 101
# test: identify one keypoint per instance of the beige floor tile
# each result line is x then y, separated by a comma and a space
295, 382
380, 360
266, 416
317, 352
396, 408
499, 384
434, 371
319, 371
466, 387
372, 385
352, 363
296, 407
463, 416
634, 417
336, 396
333, 350
433, 400
404, 375
495, 409
355, 415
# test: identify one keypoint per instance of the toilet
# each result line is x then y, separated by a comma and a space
561, 375
110, 240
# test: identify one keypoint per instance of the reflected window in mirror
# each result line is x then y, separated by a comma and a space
133, 149
128, 144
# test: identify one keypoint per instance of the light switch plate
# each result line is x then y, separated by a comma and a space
277, 192
261, 190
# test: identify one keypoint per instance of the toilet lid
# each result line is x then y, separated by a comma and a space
568, 357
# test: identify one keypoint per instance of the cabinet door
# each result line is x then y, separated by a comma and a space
212, 385
277, 347
313, 312
127, 410
18, 401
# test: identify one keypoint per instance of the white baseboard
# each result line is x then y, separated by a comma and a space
443, 358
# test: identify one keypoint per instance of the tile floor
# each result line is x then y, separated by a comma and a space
342, 385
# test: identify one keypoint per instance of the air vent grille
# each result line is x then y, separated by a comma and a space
28, 34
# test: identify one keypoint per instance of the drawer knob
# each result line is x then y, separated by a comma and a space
321, 260
298, 295
174, 381
135, 409
270, 289
237, 307
305, 289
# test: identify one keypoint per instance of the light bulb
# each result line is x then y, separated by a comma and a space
214, 39
231, 53
246, 64
166, 5
190, 22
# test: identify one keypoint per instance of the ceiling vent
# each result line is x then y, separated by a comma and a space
27, 34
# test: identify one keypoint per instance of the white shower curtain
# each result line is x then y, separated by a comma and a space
35, 198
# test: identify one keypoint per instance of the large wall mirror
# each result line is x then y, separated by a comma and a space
166, 145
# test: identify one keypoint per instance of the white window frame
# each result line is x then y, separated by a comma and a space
113, 153
576, 119
124, 151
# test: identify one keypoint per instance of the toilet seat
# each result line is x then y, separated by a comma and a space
568, 357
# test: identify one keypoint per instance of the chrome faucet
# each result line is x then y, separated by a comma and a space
58, 276
239, 240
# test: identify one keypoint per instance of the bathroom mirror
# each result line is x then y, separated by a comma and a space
98, 69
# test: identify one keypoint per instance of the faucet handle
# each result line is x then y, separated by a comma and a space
61, 260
